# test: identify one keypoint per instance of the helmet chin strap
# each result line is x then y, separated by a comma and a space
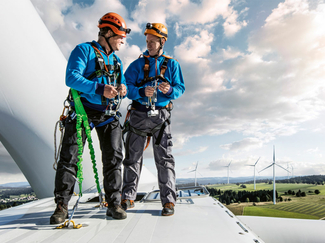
109, 45
160, 48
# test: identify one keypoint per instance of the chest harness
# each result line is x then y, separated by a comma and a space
113, 74
151, 103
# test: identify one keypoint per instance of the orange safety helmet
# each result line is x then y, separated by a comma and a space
156, 29
115, 22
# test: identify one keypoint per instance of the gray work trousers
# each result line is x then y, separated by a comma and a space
162, 153
110, 140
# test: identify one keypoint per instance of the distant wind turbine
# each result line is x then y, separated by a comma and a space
292, 171
254, 172
195, 171
228, 167
273, 164
288, 174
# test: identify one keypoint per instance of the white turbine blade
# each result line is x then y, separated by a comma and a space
191, 171
281, 167
257, 161
230, 163
266, 167
196, 165
273, 153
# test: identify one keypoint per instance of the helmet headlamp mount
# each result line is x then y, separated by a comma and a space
149, 26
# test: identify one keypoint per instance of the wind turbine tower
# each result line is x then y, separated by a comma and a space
274, 164
254, 172
195, 171
228, 167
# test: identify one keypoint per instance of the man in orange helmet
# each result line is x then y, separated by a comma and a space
96, 72
153, 81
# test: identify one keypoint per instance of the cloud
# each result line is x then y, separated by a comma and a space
190, 152
231, 24
188, 13
231, 53
245, 144
72, 23
269, 91
316, 152
223, 163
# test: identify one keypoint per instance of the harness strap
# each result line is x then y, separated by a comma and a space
161, 132
146, 67
112, 118
104, 69
160, 127
146, 70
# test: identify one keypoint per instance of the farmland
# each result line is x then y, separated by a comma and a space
311, 206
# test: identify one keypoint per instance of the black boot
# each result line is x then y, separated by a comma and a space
168, 209
60, 214
116, 212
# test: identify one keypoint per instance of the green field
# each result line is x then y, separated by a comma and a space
280, 187
310, 207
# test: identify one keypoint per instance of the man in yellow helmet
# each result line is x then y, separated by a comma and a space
153, 81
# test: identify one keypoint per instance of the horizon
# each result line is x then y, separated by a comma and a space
200, 178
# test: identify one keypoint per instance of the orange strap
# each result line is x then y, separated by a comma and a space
101, 56
148, 142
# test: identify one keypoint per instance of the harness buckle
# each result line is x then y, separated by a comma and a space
152, 113
110, 112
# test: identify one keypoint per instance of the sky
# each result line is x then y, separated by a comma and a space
254, 76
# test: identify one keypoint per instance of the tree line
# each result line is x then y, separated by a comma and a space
6, 192
229, 196
311, 179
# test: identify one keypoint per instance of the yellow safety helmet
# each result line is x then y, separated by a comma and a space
156, 29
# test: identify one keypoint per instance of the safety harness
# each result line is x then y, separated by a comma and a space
160, 127
81, 117
114, 79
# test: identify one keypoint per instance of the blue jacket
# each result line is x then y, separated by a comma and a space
81, 64
135, 74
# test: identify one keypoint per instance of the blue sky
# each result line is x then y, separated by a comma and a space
254, 76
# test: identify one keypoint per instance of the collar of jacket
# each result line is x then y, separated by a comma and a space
99, 47
146, 53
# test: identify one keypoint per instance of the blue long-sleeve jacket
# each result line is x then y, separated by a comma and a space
81, 64
135, 74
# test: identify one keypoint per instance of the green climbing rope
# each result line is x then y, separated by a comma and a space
82, 118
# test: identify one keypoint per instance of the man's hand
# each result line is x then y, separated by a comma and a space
164, 87
122, 90
110, 92
149, 91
